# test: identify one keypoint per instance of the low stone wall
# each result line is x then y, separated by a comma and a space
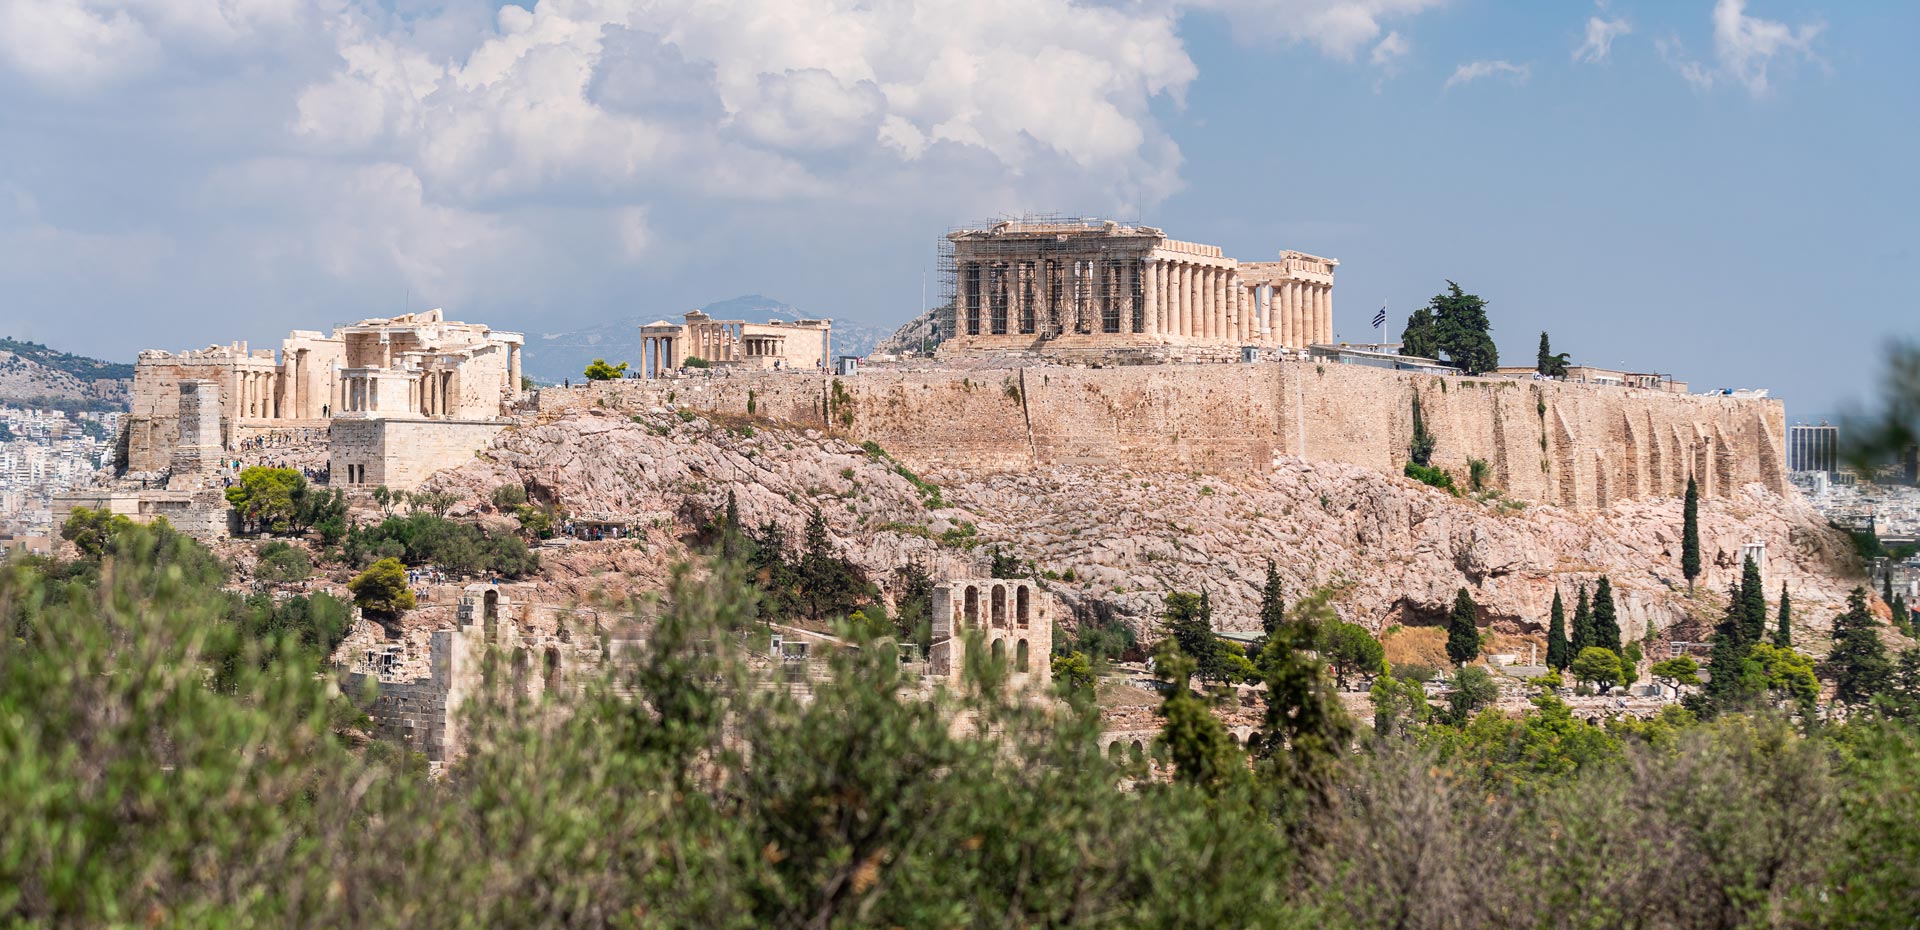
1580, 446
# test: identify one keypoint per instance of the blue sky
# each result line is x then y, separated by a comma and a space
1718, 189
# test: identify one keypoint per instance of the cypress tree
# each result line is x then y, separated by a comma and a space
1463, 631
1753, 601
730, 530
1783, 631
1732, 678
1690, 535
1858, 662
1558, 655
1582, 625
1606, 622
1273, 602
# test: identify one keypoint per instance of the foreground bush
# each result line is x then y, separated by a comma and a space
684, 790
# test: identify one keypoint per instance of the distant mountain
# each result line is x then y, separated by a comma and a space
551, 357
32, 375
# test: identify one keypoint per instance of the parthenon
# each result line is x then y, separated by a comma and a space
1090, 284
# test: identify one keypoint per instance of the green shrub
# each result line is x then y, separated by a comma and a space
1432, 476
281, 563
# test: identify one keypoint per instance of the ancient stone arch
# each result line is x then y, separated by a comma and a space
972, 612
1020, 660
999, 607
1021, 606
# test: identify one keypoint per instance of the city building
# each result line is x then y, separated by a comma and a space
1813, 448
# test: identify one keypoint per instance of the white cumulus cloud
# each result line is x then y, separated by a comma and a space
1746, 49
1599, 41
1476, 70
1339, 28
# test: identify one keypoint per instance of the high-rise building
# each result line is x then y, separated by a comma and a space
1813, 448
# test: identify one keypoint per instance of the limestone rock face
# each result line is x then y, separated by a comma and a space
1397, 550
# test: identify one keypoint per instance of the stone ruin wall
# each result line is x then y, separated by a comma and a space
1580, 446
401, 453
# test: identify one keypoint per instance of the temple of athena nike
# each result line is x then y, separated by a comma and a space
1067, 285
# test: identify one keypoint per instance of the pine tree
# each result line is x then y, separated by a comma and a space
1463, 631
1753, 601
1606, 622
1559, 654
1902, 616
1192, 738
1858, 663
1783, 631
1582, 624
1461, 330
1273, 602
1690, 535
1189, 621
1417, 339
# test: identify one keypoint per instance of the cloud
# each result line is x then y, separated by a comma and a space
1745, 49
1339, 28
64, 45
1388, 51
1599, 41
1474, 71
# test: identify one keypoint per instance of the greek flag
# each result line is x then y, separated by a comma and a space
1380, 319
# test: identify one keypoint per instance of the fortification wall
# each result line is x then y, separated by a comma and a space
401, 453
1577, 445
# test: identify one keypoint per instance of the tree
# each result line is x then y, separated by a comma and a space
1191, 738
93, 531
1417, 340
267, 498
1473, 688
1690, 534
1398, 705
1733, 678
1597, 665
1073, 674
1582, 626
1783, 629
1463, 631
323, 510
1004, 565
1420, 447
381, 591
1461, 330
1305, 730
1273, 602
1547, 362
599, 370
1559, 652
1606, 622
1789, 675
1753, 601
281, 563
1189, 621
1677, 672
730, 529
1351, 650
1858, 663
828, 585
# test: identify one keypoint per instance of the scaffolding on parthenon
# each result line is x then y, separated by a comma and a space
1080, 281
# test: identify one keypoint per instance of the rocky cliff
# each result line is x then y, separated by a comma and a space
1398, 550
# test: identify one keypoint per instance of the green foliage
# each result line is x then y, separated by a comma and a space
1420, 447
695, 361
79, 366
1003, 565
599, 370
1606, 620
1677, 672
1073, 675
1418, 339
1461, 330
1478, 473
1463, 631
1789, 675
1273, 602
281, 563
1783, 626
1103, 637
461, 549
93, 531
267, 498
1559, 652
1858, 663
1473, 689
1399, 706
1753, 602
814, 583
1415, 672
1192, 739
381, 591
1582, 626
508, 497
1690, 534
324, 510
1189, 621
1305, 730
1430, 476
1350, 650
1548, 362
929, 492
1599, 666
